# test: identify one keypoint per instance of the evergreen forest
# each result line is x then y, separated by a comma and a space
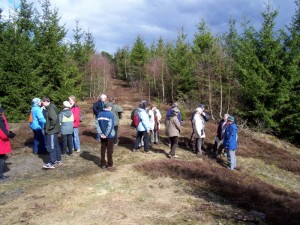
252, 74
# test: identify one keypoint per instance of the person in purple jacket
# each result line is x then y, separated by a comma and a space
230, 138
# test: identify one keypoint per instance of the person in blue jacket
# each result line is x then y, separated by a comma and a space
107, 134
230, 141
37, 125
143, 128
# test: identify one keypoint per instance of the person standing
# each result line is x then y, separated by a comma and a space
173, 131
117, 111
98, 107
66, 119
37, 125
155, 124
51, 134
198, 129
143, 128
107, 134
5, 146
230, 142
169, 112
219, 137
75, 109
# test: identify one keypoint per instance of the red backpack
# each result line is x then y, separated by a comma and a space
135, 117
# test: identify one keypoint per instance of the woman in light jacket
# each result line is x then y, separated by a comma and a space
172, 131
199, 131
37, 125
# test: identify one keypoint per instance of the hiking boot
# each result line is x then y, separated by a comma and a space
148, 152
58, 163
48, 166
77, 150
64, 155
134, 150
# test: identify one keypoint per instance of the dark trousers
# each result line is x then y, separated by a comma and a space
53, 148
2, 163
67, 143
145, 136
116, 135
174, 144
39, 142
107, 146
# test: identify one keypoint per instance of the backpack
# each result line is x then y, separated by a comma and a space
135, 118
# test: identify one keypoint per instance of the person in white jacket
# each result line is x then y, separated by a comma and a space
154, 119
199, 131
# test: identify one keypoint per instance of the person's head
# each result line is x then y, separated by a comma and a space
230, 119
109, 104
72, 100
199, 110
202, 106
143, 104
111, 99
108, 108
175, 104
174, 111
226, 115
153, 107
103, 97
67, 104
46, 101
37, 101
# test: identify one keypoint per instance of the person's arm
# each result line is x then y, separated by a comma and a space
110, 126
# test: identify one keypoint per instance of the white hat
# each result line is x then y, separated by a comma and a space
67, 104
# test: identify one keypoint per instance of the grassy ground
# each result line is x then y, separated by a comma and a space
150, 189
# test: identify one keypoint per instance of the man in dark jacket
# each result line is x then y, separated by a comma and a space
51, 134
107, 134
98, 107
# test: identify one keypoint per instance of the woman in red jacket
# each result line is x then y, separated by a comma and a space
5, 146
76, 113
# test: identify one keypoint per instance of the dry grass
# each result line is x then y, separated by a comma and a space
244, 191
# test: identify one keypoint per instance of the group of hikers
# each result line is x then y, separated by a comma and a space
46, 123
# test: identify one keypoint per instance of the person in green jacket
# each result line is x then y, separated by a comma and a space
51, 134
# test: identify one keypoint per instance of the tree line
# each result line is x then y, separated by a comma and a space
252, 74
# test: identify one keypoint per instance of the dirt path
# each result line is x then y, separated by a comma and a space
79, 192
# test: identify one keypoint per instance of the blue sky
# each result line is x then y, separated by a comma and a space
116, 23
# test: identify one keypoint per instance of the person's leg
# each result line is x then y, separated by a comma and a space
138, 140
215, 148
110, 151
97, 129
57, 148
36, 142
116, 135
2, 162
146, 141
103, 151
76, 139
64, 144
152, 136
70, 143
50, 148
198, 146
156, 136
174, 143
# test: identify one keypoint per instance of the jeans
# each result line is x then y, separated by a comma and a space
107, 146
76, 140
97, 129
67, 143
2, 163
53, 147
198, 145
39, 142
174, 144
145, 136
231, 159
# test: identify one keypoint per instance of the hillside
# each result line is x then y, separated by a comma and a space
150, 189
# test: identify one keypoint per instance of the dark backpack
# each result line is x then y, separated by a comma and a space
135, 118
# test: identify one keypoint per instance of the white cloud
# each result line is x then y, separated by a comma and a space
117, 23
